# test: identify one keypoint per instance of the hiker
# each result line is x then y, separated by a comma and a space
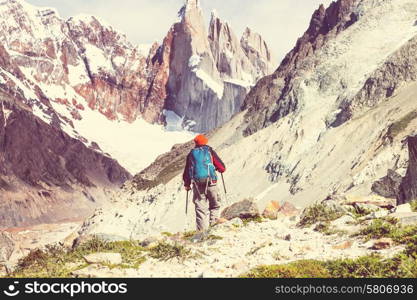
200, 174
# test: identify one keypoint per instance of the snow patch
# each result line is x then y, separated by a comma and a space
134, 145
215, 86
27, 92
194, 61
119, 61
77, 74
97, 59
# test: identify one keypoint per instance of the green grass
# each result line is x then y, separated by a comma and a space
358, 212
379, 228
399, 126
318, 213
388, 228
165, 251
298, 269
327, 229
411, 248
257, 219
371, 266
167, 234
188, 235
58, 262
213, 237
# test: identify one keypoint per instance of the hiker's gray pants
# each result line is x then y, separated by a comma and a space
207, 203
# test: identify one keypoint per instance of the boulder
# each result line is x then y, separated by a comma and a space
288, 210
150, 242
103, 258
344, 220
383, 243
334, 205
408, 187
7, 246
271, 210
405, 218
375, 215
244, 209
70, 240
387, 186
343, 246
370, 200
403, 208
221, 221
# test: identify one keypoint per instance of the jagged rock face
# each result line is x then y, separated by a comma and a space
84, 62
257, 50
40, 164
84, 57
236, 60
408, 186
6, 246
388, 186
276, 96
210, 87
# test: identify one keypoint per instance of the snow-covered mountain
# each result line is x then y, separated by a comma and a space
329, 122
83, 62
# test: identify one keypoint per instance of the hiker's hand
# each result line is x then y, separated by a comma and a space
187, 188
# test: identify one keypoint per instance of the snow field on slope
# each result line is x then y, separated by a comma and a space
134, 145
215, 86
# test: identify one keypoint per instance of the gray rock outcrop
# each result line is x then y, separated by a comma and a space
408, 186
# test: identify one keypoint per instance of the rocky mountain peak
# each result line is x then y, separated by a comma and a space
273, 97
257, 51
216, 68
191, 12
325, 24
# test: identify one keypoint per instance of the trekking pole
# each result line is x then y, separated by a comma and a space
186, 204
224, 186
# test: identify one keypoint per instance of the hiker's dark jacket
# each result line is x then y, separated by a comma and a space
217, 162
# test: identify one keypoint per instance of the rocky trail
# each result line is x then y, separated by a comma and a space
236, 246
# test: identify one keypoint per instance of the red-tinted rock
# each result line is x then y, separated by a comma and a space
287, 209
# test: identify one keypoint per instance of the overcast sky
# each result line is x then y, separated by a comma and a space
280, 22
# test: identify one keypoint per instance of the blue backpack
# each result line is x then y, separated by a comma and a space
202, 167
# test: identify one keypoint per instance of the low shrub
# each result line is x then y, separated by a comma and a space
318, 213
166, 251
298, 269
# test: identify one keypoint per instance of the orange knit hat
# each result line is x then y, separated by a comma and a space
201, 140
